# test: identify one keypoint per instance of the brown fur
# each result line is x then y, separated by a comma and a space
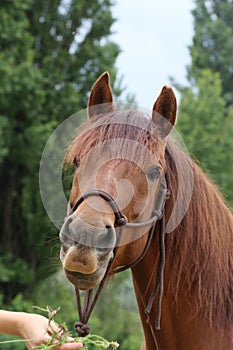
199, 252
197, 304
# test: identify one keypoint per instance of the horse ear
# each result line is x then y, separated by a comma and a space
164, 111
101, 99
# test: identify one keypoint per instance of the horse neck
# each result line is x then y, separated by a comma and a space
144, 279
198, 269
179, 323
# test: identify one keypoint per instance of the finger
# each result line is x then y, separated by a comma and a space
53, 327
69, 346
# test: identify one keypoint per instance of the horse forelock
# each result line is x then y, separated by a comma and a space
127, 131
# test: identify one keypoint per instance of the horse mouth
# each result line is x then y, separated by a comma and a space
84, 281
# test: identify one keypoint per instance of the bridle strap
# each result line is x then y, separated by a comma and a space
160, 271
120, 220
159, 284
82, 328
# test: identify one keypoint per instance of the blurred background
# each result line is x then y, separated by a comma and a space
51, 52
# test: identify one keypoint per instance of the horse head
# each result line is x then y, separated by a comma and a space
122, 154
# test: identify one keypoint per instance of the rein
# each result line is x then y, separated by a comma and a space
82, 328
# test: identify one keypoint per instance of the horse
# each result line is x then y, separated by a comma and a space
121, 159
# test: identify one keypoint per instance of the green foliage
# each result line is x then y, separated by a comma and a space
212, 46
206, 129
90, 342
11, 343
13, 270
3, 148
51, 52
205, 112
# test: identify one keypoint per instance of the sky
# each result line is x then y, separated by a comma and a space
154, 37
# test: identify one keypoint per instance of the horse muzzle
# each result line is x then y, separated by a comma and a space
85, 251
85, 281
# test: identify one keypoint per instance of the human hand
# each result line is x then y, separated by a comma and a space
37, 330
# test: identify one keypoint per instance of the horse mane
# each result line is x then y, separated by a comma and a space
199, 255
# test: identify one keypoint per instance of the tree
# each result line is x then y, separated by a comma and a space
212, 46
50, 54
206, 129
206, 106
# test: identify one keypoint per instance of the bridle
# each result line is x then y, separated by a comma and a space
120, 222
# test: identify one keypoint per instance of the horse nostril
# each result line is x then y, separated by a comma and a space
106, 240
65, 235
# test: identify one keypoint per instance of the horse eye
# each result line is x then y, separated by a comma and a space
76, 162
154, 173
